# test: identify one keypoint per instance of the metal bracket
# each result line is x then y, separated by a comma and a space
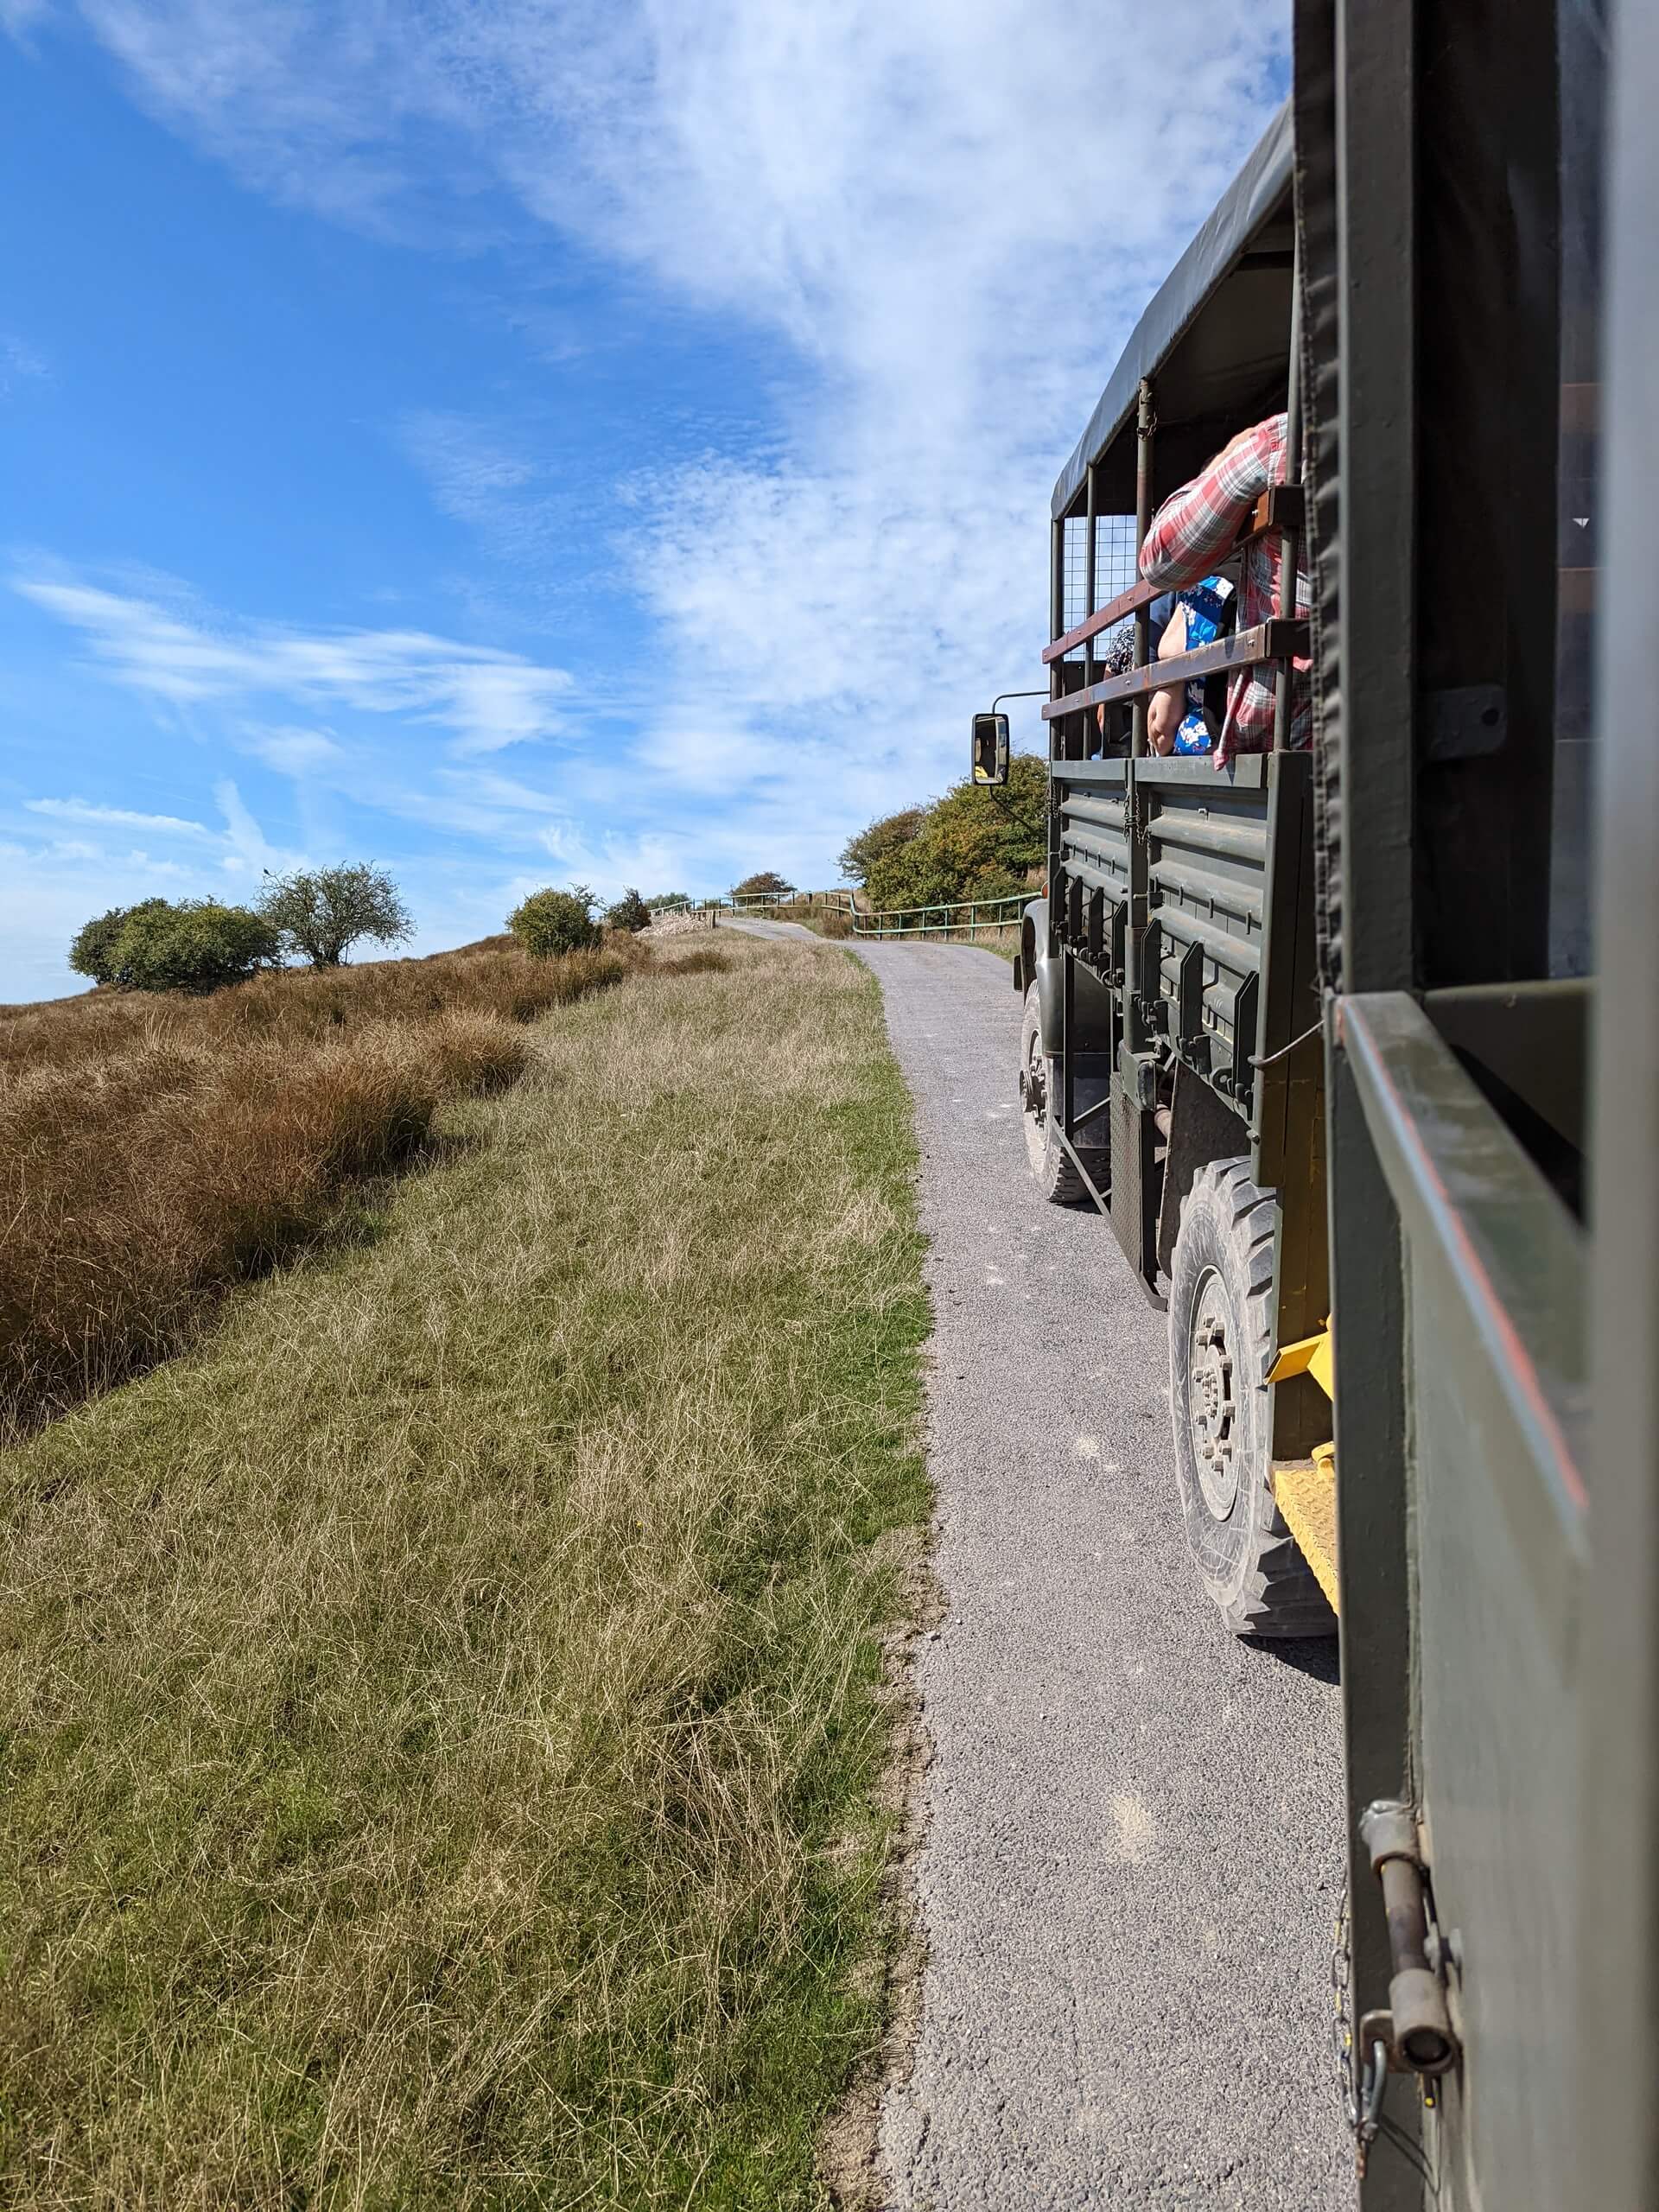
1101, 1201
1191, 989
1466, 721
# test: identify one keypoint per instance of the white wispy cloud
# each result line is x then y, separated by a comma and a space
117, 817
20, 362
288, 748
486, 698
951, 210
17, 16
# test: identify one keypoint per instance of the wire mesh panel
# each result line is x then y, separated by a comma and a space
1116, 554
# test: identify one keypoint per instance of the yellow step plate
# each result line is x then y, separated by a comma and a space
1307, 1493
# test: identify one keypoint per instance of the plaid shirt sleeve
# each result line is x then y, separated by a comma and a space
1196, 527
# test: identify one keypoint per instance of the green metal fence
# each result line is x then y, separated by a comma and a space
957, 918
761, 902
967, 918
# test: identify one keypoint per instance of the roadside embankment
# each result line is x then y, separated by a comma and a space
445, 1717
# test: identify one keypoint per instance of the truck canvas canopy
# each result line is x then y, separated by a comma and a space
1214, 335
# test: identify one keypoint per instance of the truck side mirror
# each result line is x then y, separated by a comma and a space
990, 748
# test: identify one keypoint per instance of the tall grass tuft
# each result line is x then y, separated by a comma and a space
155, 1152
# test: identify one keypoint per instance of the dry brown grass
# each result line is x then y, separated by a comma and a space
443, 1718
154, 1151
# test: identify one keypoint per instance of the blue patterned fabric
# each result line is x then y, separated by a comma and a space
1206, 612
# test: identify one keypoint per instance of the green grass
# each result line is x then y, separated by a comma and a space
444, 1708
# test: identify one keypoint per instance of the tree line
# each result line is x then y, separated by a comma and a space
970, 843
314, 915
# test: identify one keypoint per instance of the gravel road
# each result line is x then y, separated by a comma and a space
1130, 1865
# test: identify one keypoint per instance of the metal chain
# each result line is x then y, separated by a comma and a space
1362, 2081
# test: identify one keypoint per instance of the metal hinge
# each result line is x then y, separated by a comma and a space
1416, 2030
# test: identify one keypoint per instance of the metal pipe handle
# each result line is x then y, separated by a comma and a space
1422, 2041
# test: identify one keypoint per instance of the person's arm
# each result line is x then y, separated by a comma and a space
1166, 708
1158, 616
1196, 527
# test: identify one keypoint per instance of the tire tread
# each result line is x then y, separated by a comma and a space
1280, 1595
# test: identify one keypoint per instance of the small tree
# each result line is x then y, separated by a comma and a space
92, 952
970, 844
630, 912
551, 922
768, 884
195, 946
322, 912
665, 902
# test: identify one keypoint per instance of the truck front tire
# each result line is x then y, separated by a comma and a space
1221, 1310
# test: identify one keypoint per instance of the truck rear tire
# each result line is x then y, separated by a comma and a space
1052, 1165
1221, 1315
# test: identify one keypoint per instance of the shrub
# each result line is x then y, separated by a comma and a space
477, 1052
699, 964
323, 912
92, 952
971, 844
668, 902
197, 945
551, 922
879, 841
630, 912
768, 884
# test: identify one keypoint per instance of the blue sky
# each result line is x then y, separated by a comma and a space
515, 443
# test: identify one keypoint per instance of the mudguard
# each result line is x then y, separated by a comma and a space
1091, 1007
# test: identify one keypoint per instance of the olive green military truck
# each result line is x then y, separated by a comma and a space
1316, 1031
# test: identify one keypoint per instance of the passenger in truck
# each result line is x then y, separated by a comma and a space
1179, 718
1182, 717
1192, 533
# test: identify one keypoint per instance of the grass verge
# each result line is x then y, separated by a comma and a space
156, 1150
444, 1706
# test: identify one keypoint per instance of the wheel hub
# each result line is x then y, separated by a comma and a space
1211, 1409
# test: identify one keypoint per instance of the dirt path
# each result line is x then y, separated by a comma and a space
1132, 1829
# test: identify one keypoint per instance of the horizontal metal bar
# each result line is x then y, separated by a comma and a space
1115, 865
1109, 775
1108, 840
1274, 640
951, 907
938, 929
1115, 888
1237, 896
1244, 839
1245, 772
1127, 602
1108, 813
1243, 958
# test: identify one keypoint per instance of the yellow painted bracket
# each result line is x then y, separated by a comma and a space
1305, 1494
1310, 1355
